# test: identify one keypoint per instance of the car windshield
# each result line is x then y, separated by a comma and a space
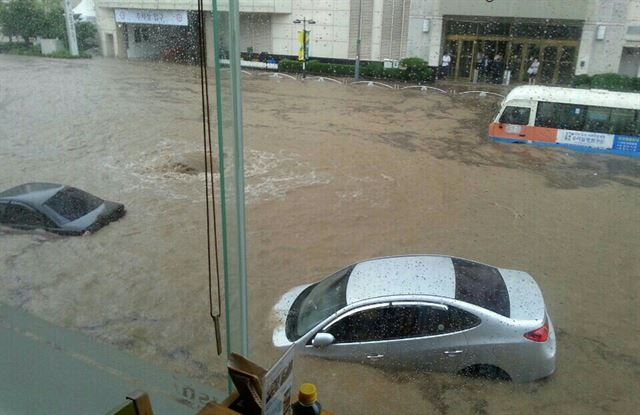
72, 203
320, 301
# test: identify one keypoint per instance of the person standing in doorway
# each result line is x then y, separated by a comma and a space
446, 65
533, 71
497, 69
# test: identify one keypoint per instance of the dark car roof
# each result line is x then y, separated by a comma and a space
32, 193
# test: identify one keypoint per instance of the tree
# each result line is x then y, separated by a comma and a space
53, 23
22, 18
87, 35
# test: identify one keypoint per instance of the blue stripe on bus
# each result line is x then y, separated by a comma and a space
581, 149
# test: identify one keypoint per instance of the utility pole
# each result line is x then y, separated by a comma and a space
71, 28
357, 69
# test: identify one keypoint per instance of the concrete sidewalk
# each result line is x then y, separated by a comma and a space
46, 369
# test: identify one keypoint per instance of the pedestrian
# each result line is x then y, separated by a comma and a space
485, 67
478, 72
446, 65
497, 69
533, 71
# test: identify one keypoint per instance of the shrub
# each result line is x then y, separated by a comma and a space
417, 70
87, 35
330, 68
372, 70
23, 49
65, 54
612, 82
581, 81
393, 73
289, 65
609, 81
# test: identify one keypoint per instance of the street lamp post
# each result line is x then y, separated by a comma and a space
304, 22
357, 68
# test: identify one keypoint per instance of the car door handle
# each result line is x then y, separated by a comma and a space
375, 356
452, 353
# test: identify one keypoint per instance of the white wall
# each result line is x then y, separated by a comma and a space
249, 6
329, 36
602, 56
105, 19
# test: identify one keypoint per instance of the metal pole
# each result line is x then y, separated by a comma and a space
71, 28
304, 47
357, 69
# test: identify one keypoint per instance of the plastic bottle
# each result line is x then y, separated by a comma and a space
307, 401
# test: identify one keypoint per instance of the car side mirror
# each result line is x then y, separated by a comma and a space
323, 340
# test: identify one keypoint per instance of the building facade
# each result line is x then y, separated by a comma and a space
569, 37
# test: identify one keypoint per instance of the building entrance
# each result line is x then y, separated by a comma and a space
491, 47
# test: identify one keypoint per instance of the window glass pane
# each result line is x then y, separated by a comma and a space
561, 116
622, 121
597, 119
19, 215
318, 302
515, 115
434, 321
364, 326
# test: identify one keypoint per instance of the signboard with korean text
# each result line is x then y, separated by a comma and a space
585, 138
627, 144
159, 17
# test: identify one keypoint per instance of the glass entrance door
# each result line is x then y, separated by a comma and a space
567, 64
548, 65
464, 61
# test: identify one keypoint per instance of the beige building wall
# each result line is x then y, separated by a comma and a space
403, 28
329, 36
603, 35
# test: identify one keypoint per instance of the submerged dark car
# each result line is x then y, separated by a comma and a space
56, 208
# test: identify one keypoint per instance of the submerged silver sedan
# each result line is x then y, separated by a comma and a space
423, 311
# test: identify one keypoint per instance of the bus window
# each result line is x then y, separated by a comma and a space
597, 119
561, 116
622, 122
515, 115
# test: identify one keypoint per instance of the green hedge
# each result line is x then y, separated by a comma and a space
289, 65
416, 70
20, 49
35, 50
609, 81
330, 68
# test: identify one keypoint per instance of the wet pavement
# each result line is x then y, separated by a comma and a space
335, 174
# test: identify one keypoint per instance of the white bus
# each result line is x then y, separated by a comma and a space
581, 119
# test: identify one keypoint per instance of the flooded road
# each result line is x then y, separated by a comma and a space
335, 174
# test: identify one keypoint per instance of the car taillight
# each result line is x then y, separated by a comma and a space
539, 335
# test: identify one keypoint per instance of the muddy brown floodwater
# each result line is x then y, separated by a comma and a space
335, 174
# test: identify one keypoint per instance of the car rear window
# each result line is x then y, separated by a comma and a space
481, 285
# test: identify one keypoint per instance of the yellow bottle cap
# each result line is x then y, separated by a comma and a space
307, 394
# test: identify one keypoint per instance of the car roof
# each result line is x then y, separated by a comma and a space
430, 275
402, 275
31, 193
